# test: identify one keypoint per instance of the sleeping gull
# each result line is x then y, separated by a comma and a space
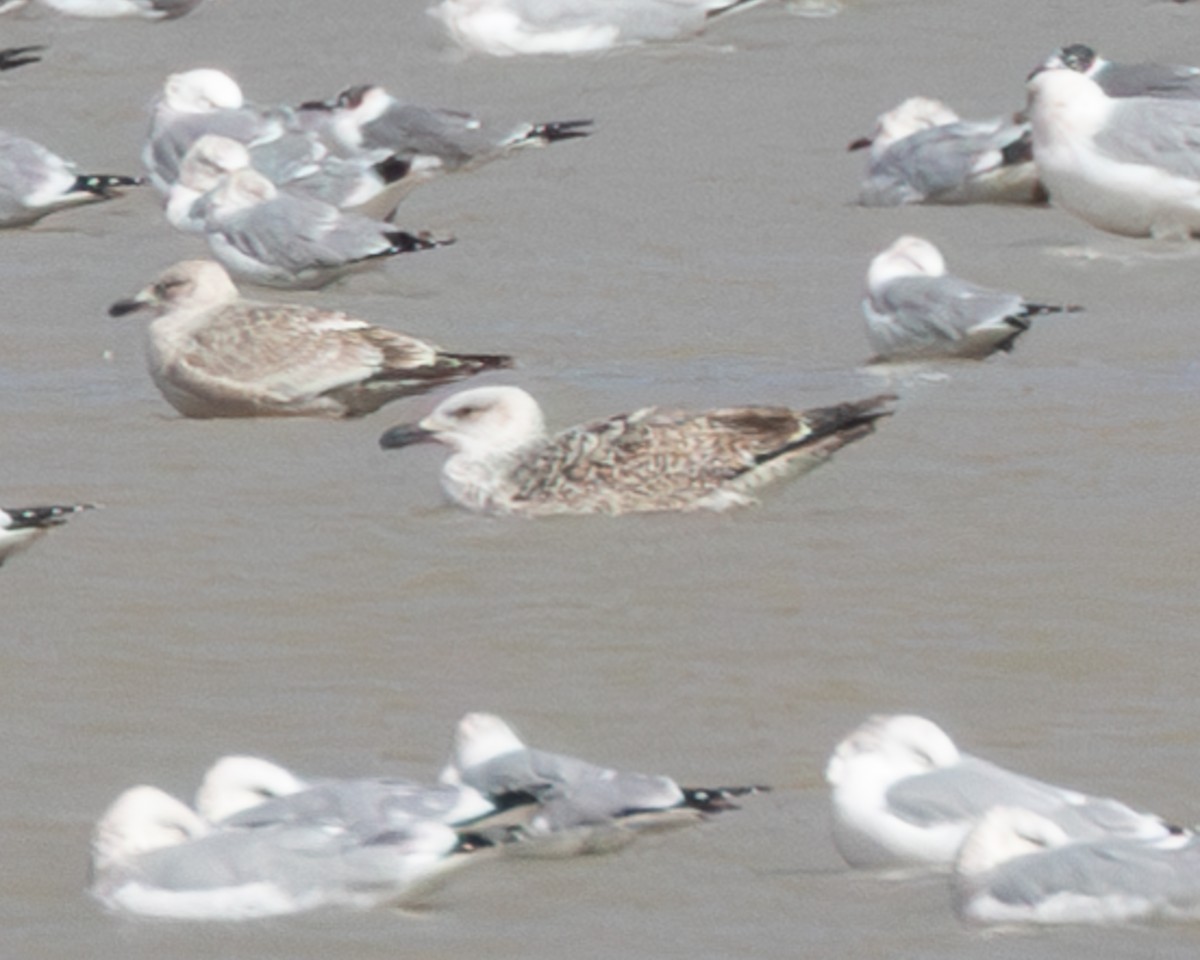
274, 237
12, 57
1017, 866
1129, 165
153, 855
429, 139
905, 797
580, 807
250, 792
35, 182
506, 28
213, 354
20, 526
915, 310
1128, 79
653, 459
922, 152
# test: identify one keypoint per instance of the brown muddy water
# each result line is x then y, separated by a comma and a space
1014, 554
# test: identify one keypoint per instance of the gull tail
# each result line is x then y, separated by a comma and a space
404, 242
19, 56
101, 184
730, 7
554, 131
717, 799
23, 517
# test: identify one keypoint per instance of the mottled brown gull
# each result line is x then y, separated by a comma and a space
653, 459
213, 354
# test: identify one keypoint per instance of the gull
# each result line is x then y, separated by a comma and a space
197, 102
506, 28
146, 9
250, 792
598, 807
922, 152
20, 526
1128, 165
905, 797
915, 310
431, 140
277, 238
213, 354
504, 462
1128, 79
13, 57
153, 855
1018, 867
35, 182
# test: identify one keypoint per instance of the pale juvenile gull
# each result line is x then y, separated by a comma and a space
213, 354
922, 152
1128, 79
505, 28
504, 462
1129, 165
577, 806
904, 797
1018, 867
277, 238
429, 139
250, 792
197, 102
13, 57
20, 526
35, 182
104, 9
915, 310
153, 855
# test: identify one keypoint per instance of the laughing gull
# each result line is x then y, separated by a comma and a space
153, 855
213, 354
20, 526
504, 462
1018, 867
922, 152
506, 28
915, 310
905, 797
1128, 79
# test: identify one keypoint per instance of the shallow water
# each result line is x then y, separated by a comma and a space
1013, 554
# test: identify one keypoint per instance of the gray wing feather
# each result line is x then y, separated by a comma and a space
1161, 133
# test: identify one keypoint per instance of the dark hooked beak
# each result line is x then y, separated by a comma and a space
122, 307
404, 435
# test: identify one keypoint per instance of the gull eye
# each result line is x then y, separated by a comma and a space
468, 412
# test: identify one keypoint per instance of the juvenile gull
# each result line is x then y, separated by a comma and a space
213, 354
905, 797
579, 806
279, 238
429, 140
915, 310
504, 462
250, 792
13, 57
35, 182
922, 152
1129, 165
1019, 867
153, 855
1128, 79
20, 526
505, 28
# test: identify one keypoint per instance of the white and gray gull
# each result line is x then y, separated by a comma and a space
213, 354
915, 310
504, 462
1168, 81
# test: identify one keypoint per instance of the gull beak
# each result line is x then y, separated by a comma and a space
860, 144
142, 300
405, 435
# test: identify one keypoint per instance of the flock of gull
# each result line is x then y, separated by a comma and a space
299, 196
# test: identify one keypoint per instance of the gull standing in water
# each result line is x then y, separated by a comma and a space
213, 354
1018, 867
153, 855
915, 310
20, 526
506, 28
1129, 165
35, 182
922, 152
905, 797
504, 462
